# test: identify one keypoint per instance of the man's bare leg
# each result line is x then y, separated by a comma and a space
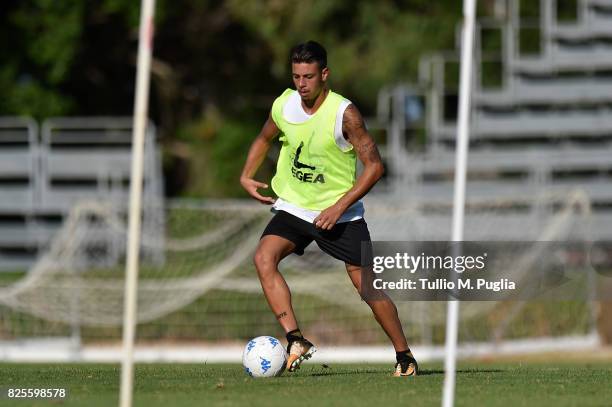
384, 311
270, 251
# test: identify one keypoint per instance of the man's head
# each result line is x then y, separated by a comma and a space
309, 69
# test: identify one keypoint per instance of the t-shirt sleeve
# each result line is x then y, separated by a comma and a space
341, 142
277, 108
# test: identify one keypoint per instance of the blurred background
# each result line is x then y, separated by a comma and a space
218, 65
540, 162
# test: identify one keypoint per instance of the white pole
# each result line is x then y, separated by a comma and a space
463, 127
145, 45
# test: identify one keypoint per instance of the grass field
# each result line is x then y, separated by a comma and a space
478, 384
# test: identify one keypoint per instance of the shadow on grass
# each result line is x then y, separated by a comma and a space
330, 371
424, 372
441, 372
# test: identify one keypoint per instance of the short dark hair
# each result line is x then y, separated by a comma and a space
309, 52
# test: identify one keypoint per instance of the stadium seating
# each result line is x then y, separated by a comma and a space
544, 128
18, 190
43, 175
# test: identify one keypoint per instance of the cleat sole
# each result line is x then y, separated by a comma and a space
415, 372
298, 361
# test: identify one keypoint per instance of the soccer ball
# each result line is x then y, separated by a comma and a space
264, 356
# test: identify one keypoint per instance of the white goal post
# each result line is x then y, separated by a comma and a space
145, 48
463, 127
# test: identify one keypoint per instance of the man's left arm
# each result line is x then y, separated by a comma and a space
355, 132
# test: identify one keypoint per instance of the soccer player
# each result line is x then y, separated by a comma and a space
318, 193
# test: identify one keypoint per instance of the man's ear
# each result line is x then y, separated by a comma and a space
324, 73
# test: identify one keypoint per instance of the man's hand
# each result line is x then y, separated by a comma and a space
327, 219
256, 155
251, 186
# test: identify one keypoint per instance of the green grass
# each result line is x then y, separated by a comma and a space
478, 384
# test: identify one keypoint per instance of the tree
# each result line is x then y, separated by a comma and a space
217, 66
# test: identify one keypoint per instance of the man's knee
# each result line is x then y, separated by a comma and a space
264, 260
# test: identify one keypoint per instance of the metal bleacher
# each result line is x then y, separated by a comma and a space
43, 174
18, 190
542, 128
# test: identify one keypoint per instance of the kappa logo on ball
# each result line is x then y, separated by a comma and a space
273, 341
265, 364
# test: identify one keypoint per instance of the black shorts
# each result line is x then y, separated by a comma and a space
342, 242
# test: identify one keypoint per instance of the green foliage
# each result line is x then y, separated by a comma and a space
369, 43
217, 156
567, 10
130, 10
50, 30
530, 41
75, 57
47, 51
26, 95
229, 150
40, 39
529, 9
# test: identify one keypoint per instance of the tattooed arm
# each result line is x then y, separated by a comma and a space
355, 132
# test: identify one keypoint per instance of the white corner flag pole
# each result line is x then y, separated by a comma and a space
463, 127
145, 45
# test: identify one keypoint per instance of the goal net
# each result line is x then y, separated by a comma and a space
197, 283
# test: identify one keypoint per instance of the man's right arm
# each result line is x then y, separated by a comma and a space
257, 153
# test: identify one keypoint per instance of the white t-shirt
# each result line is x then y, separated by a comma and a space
294, 113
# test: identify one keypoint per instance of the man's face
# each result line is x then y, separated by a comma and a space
308, 79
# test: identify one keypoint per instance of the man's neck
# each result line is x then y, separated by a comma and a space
311, 106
